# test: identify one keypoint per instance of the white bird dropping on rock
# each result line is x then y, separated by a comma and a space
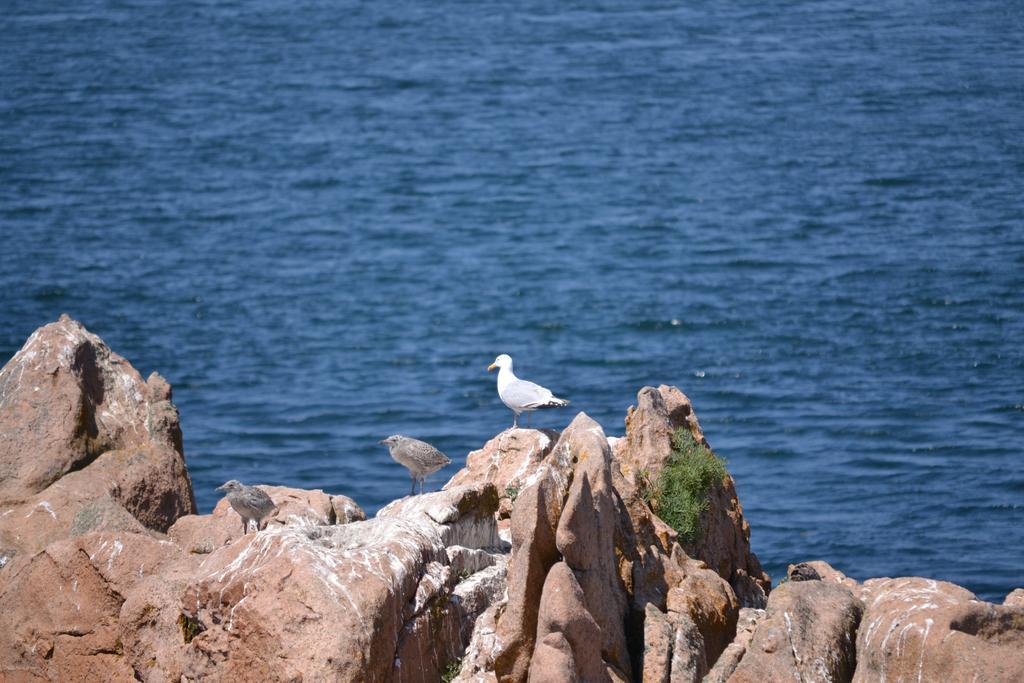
518, 394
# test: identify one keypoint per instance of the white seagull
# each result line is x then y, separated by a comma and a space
520, 395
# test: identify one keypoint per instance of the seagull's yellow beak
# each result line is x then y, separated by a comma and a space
491, 366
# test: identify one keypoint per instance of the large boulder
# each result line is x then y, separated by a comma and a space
567, 518
746, 624
724, 544
370, 601
511, 461
808, 633
85, 444
61, 616
922, 629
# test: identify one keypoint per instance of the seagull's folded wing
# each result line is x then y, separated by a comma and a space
523, 394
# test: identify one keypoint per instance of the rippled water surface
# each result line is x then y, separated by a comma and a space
322, 220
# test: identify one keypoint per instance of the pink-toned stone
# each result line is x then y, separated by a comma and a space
1015, 598
569, 639
807, 633
534, 520
731, 656
707, 600
365, 601
825, 572
511, 461
586, 535
657, 653
724, 543
922, 629
65, 399
60, 616
85, 444
689, 660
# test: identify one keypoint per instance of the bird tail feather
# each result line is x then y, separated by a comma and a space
553, 402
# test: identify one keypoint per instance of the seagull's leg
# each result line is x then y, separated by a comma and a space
422, 479
245, 526
515, 420
412, 491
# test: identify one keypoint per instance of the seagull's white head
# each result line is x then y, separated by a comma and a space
503, 361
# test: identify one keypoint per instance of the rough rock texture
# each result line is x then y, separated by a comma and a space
85, 444
724, 544
202, 534
808, 633
824, 571
921, 629
369, 601
1015, 598
511, 461
704, 599
61, 615
730, 658
567, 518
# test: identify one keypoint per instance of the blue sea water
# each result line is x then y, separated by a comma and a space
322, 220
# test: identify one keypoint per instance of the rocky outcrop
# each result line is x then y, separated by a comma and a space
724, 544
921, 629
511, 461
375, 600
586, 561
85, 444
61, 618
541, 560
808, 633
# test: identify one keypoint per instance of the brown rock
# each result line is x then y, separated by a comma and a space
66, 398
824, 571
725, 542
510, 461
60, 618
571, 498
921, 629
478, 660
733, 653
1015, 598
689, 662
569, 639
85, 444
657, 652
707, 601
586, 535
534, 552
202, 534
152, 631
366, 601
808, 633
553, 660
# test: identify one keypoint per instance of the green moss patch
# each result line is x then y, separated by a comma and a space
190, 627
451, 671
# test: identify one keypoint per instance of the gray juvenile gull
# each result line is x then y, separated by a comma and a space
419, 457
520, 395
251, 503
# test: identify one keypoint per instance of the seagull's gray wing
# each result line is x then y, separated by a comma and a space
523, 394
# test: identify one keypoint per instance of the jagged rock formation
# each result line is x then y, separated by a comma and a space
539, 561
85, 444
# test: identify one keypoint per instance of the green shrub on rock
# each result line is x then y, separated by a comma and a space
680, 492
